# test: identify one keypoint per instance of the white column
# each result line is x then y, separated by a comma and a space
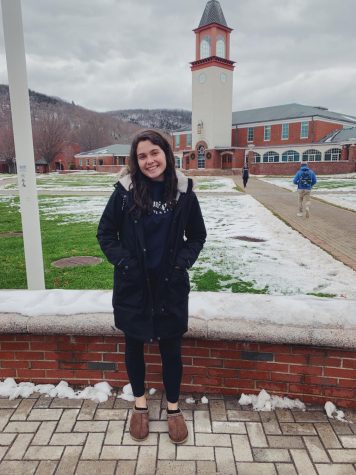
21, 120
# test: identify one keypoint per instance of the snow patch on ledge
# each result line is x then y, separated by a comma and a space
298, 310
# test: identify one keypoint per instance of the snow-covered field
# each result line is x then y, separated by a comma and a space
339, 190
93, 181
284, 261
85, 181
211, 184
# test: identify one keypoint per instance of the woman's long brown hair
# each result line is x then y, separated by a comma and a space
140, 183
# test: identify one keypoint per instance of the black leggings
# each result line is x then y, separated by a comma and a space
172, 367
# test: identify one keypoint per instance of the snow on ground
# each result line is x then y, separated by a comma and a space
285, 261
78, 181
100, 392
347, 201
211, 184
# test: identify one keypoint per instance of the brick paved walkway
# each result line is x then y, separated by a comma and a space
45, 436
330, 227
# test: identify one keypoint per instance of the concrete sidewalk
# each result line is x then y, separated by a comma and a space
329, 227
45, 436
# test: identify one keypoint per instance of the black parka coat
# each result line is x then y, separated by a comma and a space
137, 312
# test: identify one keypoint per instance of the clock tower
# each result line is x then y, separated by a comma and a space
212, 76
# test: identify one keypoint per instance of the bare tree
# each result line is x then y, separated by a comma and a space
94, 133
50, 130
7, 148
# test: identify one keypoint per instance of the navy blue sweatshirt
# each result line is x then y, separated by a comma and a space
156, 227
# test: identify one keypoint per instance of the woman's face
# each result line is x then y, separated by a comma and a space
151, 160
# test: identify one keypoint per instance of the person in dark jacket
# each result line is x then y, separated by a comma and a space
245, 175
152, 231
305, 179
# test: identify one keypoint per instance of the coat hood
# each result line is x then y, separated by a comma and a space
126, 182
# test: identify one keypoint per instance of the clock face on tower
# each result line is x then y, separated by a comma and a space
222, 77
202, 78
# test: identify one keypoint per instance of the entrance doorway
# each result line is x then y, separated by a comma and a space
201, 156
226, 161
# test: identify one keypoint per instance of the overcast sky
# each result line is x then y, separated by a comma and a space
121, 54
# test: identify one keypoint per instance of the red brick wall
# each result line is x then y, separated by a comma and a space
312, 374
352, 153
182, 145
317, 130
323, 128
107, 160
320, 168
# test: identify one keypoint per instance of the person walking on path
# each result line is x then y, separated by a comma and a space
305, 179
245, 175
152, 231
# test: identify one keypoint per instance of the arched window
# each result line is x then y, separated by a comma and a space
271, 157
220, 47
205, 47
256, 157
333, 154
201, 156
312, 155
290, 156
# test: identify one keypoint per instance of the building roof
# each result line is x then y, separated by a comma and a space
116, 149
341, 136
212, 14
285, 112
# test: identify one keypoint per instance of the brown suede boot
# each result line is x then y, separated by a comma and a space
177, 428
139, 424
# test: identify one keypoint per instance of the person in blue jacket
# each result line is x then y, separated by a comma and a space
305, 179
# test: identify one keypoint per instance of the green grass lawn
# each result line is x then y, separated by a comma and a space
58, 240
61, 239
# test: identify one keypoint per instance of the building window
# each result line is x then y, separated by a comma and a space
80, 162
333, 154
178, 162
290, 156
250, 134
122, 160
256, 157
177, 140
312, 155
270, 157
101, 161
267, 133
201, 156
189, 140
304, 130
285, 131
205, 47
220, 47
94, 162
87, 162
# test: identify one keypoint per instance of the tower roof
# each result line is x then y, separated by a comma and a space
212, 14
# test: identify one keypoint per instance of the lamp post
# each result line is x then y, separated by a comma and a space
249, 158
21, 121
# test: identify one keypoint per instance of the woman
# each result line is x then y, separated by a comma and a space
152, 231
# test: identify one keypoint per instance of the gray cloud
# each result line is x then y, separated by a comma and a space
115, 54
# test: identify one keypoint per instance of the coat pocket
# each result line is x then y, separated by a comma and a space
179, 288
128, 284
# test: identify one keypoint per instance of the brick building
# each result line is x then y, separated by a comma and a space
106, 159
273, 140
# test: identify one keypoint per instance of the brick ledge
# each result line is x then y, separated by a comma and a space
214, 329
